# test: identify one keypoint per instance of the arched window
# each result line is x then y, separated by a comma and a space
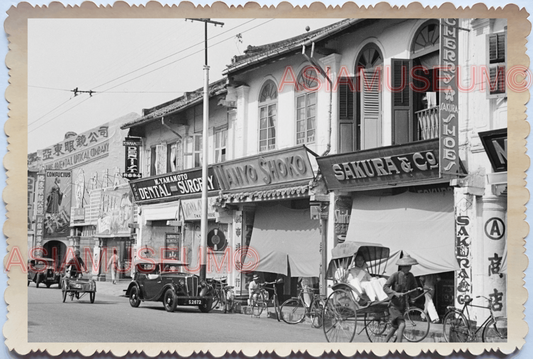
307, 85
426, 38
268, 101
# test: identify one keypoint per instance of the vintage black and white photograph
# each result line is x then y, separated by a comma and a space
276, 180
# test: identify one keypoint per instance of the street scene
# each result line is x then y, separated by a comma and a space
344, 180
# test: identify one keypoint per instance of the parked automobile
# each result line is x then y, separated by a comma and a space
167, 281
43, 270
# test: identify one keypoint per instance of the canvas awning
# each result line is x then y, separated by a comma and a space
162, 211
419, 224
286, 239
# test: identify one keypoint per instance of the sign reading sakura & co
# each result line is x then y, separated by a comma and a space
283, 166
448, 114
383, 167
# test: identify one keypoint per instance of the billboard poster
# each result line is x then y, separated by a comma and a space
115, 212
57, 198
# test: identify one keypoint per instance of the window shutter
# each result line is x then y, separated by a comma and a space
497, 58
346, 98
150, 157
161, 159
402, 126
371, 109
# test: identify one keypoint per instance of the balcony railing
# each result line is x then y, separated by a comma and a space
428, 123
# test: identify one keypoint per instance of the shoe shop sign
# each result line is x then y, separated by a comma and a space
383, 167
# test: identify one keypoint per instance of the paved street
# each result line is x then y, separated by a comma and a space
111, 319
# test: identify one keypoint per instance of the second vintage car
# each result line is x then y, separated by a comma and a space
43, 270
166, 281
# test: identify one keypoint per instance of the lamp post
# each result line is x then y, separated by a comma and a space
203, 222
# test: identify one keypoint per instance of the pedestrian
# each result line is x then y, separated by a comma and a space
113, 265
397, 284
428, 283
253, 288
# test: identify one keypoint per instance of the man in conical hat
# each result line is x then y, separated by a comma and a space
397, 284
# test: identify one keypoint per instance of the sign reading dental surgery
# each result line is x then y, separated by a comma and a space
131, 154
172, 185
283, 166
448, 114
74, 151
383, 167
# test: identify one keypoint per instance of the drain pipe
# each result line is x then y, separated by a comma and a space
316, 64
170, 129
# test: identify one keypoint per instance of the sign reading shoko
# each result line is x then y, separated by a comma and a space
131, 155
283, 166
172, 185
448, 114
386, 166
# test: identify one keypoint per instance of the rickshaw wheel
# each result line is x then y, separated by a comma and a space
339, 319
92, 295
376, 327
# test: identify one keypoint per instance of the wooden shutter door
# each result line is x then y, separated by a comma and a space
346, 117
370, 109
402, 123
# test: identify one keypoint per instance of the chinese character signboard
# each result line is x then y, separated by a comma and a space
74, 151
131, 154
57, 198
448, 114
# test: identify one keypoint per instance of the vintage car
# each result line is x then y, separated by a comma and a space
43, 270
167, 281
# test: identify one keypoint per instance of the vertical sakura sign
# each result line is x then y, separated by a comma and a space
448, 114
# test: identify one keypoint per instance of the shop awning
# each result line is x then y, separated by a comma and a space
273, 193
419, 224
284, 240
162, 211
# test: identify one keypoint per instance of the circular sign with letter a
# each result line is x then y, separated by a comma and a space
495, 228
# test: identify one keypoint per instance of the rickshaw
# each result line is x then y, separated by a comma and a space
345, 308
77, 287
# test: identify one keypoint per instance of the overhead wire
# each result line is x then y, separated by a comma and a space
144, 74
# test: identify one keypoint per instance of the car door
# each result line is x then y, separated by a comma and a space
153, 284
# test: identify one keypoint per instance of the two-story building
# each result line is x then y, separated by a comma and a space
397, 111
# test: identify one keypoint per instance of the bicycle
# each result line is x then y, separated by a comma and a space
259, 300
417, 321
294, 310
218, 290
457, 326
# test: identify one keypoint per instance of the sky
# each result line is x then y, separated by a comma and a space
79, 65
130, 64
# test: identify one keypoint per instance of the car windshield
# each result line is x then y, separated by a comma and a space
172, 268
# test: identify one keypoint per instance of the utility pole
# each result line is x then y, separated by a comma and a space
203, 223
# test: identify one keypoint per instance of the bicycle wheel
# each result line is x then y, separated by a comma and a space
376, 327
339, 318
316, 313
455, 327
258, 305
495, 331
293, 311
216, 299
416, 325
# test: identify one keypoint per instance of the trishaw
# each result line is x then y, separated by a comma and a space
77, 287
344, 309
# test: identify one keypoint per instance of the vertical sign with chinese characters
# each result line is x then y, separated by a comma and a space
448, 114
131, 152
39, 210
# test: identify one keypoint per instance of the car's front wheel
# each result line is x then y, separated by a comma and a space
135, 300
170, 301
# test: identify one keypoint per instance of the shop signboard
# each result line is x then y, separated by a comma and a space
285, 166
192, 208
382, 167
172, 185
449, 98
131, 156
57, 199
74, 151
495, 143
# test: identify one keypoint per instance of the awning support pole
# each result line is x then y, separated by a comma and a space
324, 253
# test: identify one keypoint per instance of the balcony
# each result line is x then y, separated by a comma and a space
428, 123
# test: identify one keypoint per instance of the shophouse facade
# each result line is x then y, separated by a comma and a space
399, 143
78, 199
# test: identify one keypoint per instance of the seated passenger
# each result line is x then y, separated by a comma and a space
358, 278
